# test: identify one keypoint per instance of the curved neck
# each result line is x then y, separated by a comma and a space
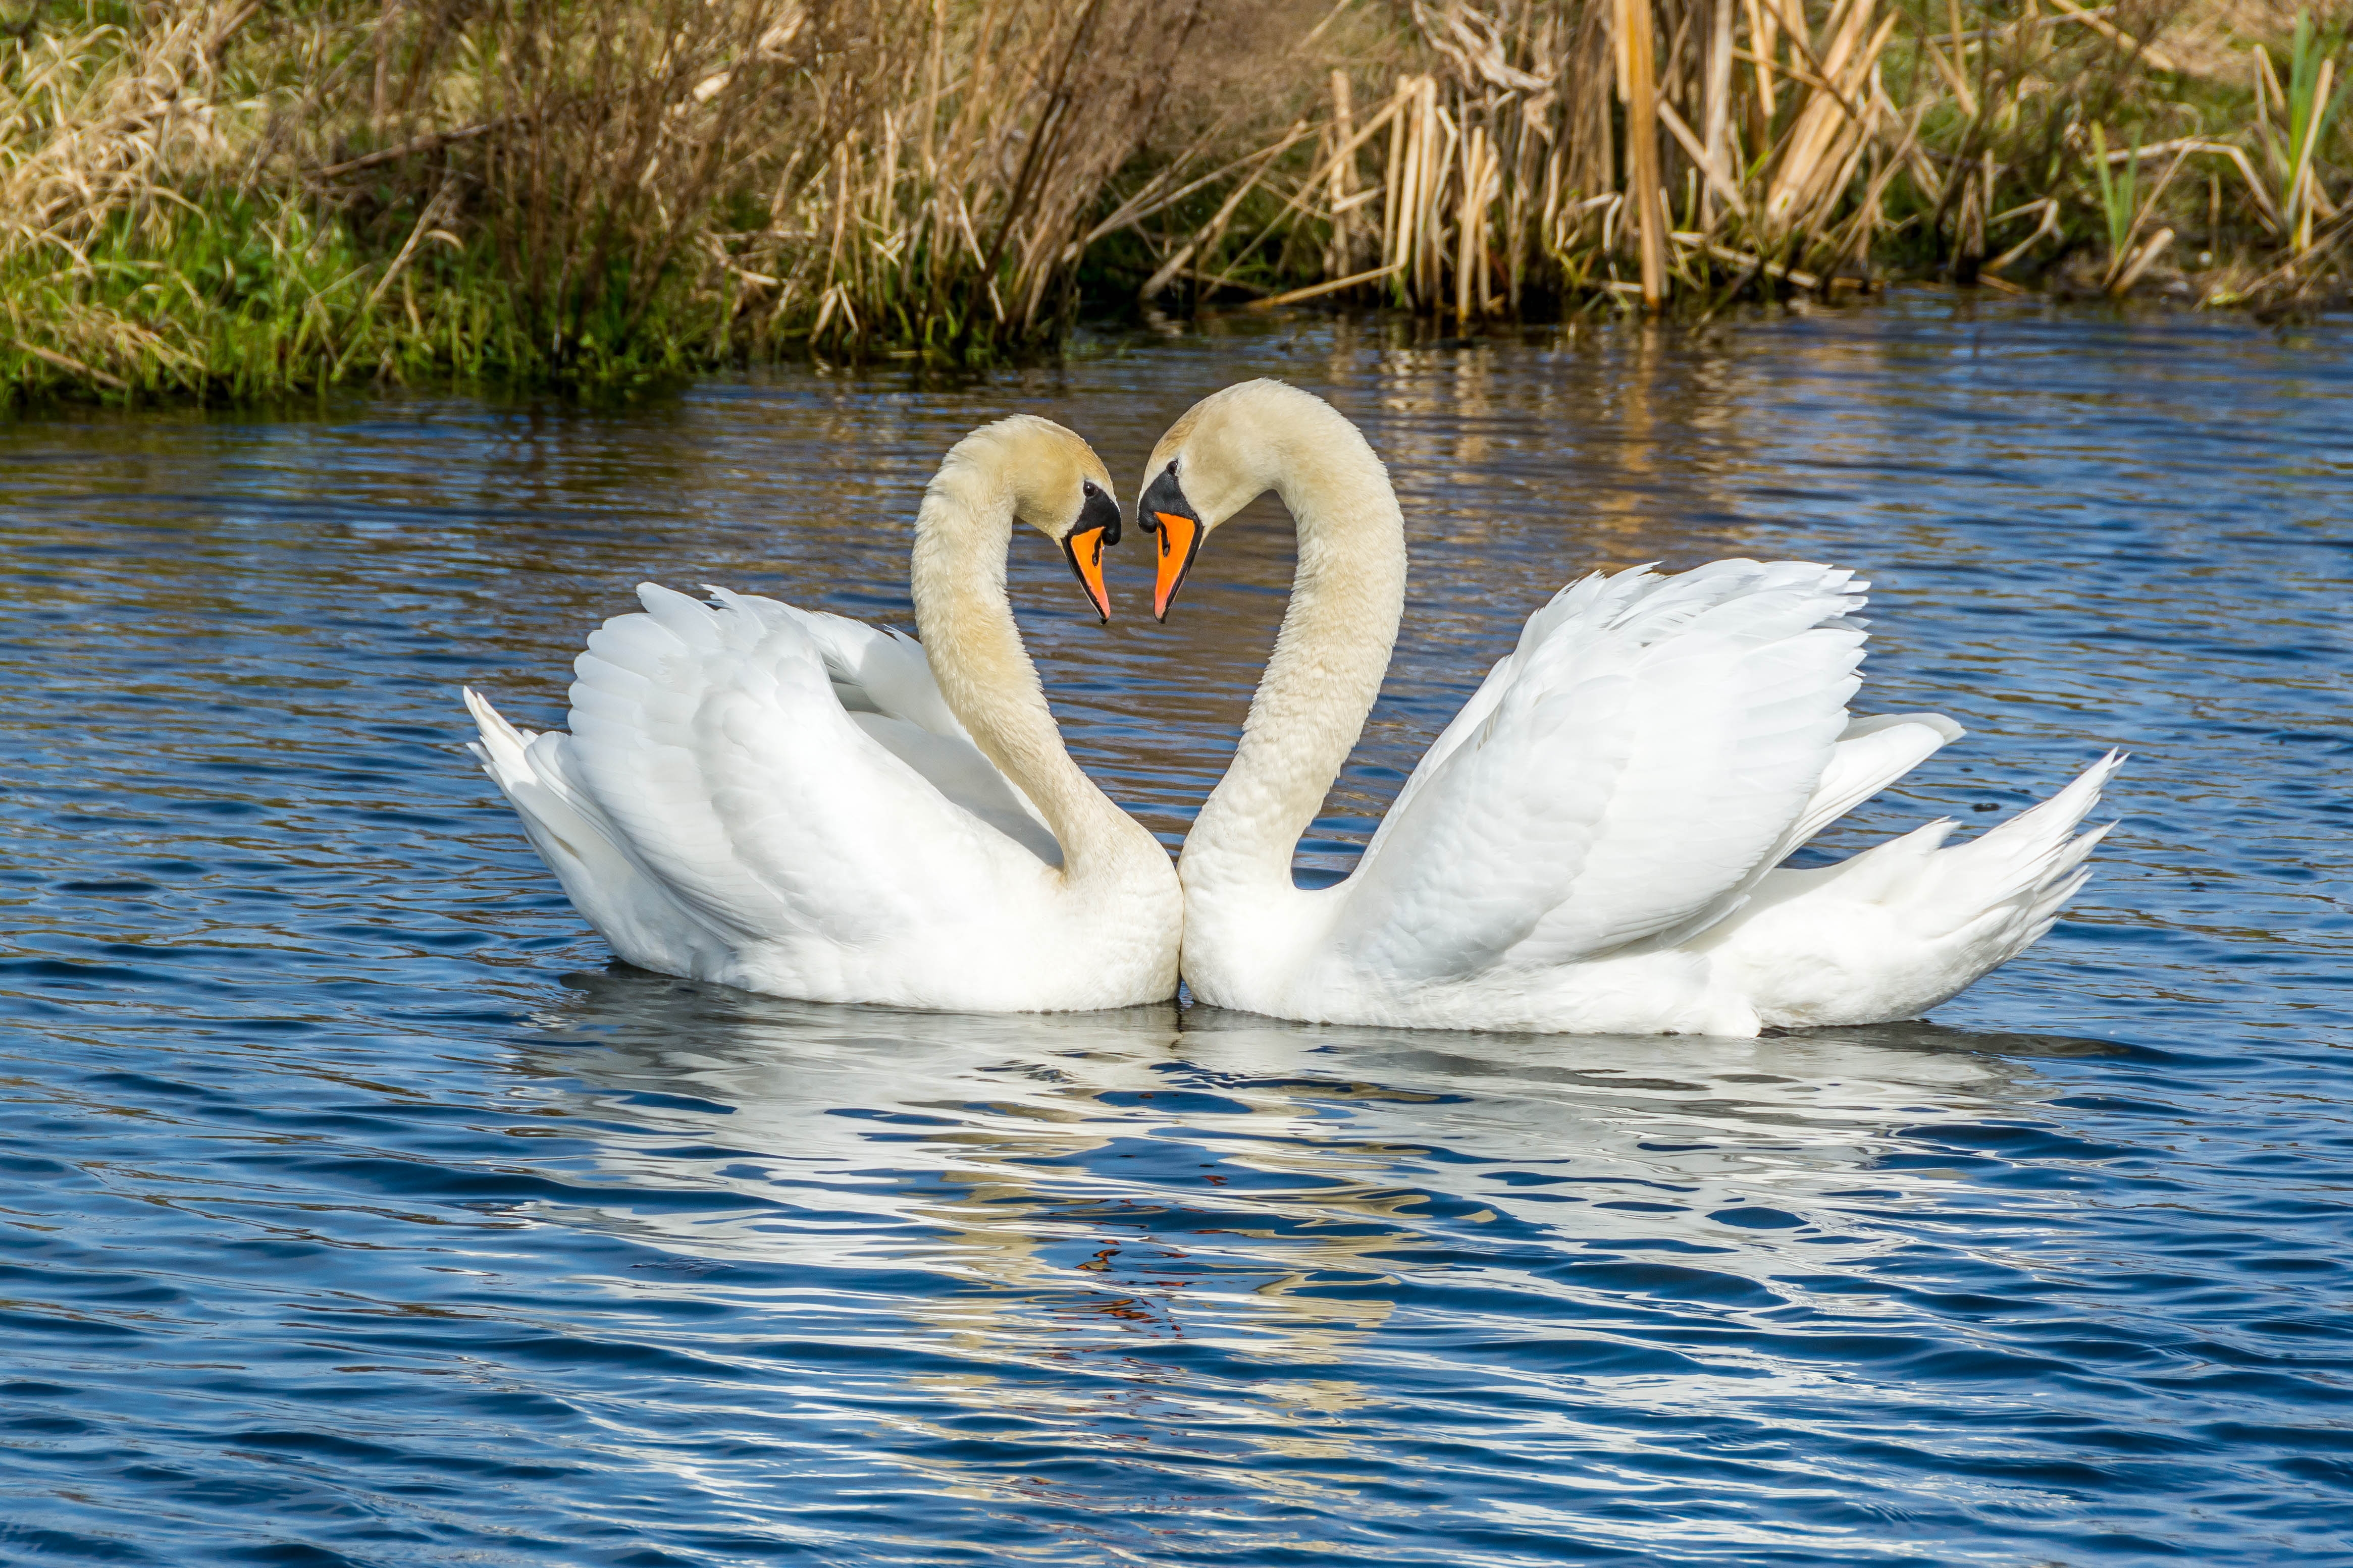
962, 535
1329, 658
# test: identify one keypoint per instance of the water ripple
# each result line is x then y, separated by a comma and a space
354, 1211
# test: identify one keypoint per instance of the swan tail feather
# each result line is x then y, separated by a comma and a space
581, 845
663, 701
2026, 869
1909, 923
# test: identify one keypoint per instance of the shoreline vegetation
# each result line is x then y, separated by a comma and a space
232, 200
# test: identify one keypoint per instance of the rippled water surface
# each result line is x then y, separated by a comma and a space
356, 1211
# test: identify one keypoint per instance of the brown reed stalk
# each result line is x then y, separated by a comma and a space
587, 189
1640, 90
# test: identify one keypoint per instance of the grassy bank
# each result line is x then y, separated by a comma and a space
231, 200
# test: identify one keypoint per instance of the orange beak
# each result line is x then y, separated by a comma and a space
1084, 550
1180, 540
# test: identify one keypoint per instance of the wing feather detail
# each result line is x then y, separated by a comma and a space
716, 743
1634, 760
881, 678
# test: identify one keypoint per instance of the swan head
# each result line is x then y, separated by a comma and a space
1228, 450
1060, 487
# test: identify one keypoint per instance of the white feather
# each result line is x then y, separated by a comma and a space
782, 800
1597, 850
1595, 843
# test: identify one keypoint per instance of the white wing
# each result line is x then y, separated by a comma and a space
1618, 777
713, 754
884, 682
601, 873
1870, 755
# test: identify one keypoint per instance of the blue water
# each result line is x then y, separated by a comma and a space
356, 1212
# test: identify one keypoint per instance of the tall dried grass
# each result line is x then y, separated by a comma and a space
1548, 153
212, 197
860, 172
98, 130
221, 197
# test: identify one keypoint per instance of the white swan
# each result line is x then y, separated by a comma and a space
1591, 845
801, 805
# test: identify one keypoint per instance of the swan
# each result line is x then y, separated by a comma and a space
799, 803
1594, 844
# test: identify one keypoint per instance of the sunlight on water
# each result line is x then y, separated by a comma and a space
356, 1212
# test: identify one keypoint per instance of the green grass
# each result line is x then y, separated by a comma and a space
552, 266
239, 299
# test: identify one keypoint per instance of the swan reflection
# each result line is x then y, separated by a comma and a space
1176, 1174
1164, 1236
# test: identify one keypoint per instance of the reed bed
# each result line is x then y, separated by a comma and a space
222, 199
1650, 154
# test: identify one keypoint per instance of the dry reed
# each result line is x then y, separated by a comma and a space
1554, 152
217, 197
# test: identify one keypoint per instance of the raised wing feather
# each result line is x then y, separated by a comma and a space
1631, 763
884, 682
716, 742
592, 859
1594, 596
873, 669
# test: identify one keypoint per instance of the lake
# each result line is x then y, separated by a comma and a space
357, 1211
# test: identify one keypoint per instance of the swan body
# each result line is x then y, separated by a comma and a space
800, 804
1594, 844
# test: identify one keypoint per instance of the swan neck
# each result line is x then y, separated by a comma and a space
963, 533
1347, 596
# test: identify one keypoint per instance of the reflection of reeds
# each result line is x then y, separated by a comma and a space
217, 196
